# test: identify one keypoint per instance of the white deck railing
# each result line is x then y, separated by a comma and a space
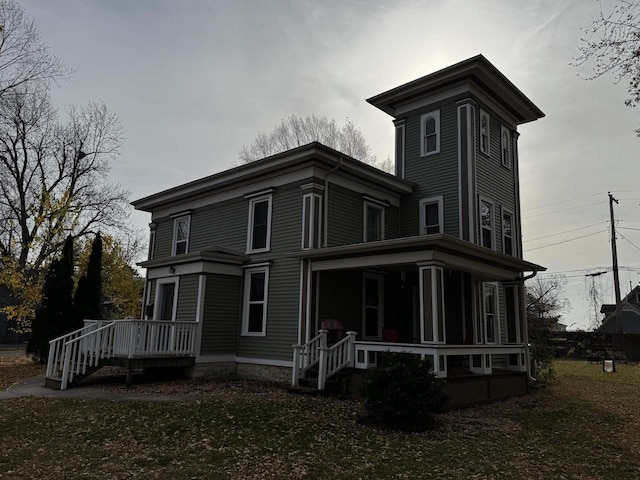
74, 353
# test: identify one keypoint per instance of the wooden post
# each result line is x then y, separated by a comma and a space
351, 348
322, 364
295, 374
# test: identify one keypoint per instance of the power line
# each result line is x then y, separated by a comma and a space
629, 241
562, 233
629, 228
564, 201
566, 241
563, 210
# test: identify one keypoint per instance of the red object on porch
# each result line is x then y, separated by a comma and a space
390, 335
336, 330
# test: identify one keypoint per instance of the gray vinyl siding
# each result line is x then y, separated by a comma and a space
223, 224
284, 279
164, 237
222, 315
494, 181
436, 174
187, 298
392, 222
345, 216
341, 298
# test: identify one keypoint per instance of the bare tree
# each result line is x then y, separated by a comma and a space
54, 175
546, 300
24, 57
612, 45
594, 295
295, 131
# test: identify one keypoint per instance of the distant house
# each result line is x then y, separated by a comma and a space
630, 309
314, 249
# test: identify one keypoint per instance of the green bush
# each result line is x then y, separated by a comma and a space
402, 393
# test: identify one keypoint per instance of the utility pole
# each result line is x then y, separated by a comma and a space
616, 278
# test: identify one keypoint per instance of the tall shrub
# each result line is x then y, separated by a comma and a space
88, 297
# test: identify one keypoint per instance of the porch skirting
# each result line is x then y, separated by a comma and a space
225, 368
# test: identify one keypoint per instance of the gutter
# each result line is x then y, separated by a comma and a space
326, 201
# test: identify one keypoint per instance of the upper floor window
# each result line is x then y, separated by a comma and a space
259, 231
486, 224
430, 133
484, 133
373, 222
311, 220
152, 243
256, 293
507, 233
431, 216
181, 226
505, 147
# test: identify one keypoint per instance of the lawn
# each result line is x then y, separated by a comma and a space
585, 425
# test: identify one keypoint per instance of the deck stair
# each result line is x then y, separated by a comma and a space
126, 343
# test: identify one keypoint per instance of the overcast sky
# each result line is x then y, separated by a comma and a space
194, 81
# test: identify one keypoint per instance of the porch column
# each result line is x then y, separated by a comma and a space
432, 324
514, 324
305, 329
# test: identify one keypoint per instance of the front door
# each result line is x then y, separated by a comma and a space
373, 306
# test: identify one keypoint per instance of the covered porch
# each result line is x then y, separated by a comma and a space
456, 304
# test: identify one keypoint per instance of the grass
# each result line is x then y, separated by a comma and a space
582, 426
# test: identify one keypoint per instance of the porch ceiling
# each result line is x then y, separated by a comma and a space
435, 249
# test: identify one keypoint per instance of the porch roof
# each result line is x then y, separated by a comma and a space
435, 249
214, 253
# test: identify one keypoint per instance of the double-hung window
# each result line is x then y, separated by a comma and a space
490, 305
508, 246
486, 224
373, 222
431, 216
485, 131
259, 230
430, 133
311, 220
181, 227
256, 292
505, 147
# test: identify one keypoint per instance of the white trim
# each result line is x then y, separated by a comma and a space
380, 306
435, 115
307, 312
438, 200
300, 302
226, 358
156, 303
261, 193
370, 199
183, 213
434, 272
497, 329
312, 186
367, 204
193, 268
506, 162
487, 150
152, 244
252, 204
400, 159
514, 245
256, 265
313, 224
489, 202
202, 285
246, 302
174, 243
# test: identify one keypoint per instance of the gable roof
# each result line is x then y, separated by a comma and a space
477, 69
272, 165
630, 311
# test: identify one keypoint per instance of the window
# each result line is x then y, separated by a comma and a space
431, 216
256, 288
181, 227
259, 234
507, 233
490, 304
166, 299
152, 242
373, 295
373, 222
486, 224
485, 130
506, 157
311, 220
430, 133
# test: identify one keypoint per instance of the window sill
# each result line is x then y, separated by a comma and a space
253, 334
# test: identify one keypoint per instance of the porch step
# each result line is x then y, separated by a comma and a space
56, 382
336, 385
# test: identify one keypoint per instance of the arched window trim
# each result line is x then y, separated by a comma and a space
424, 119
485, 134
505, 146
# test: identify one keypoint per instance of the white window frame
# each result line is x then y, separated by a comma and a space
311, 227
506, 158
493, 223
376, 206
252, 203
423, 131
174, 244
496, 315
512, 238
379, 307
157, 301
431, 201
487, 149
249, 272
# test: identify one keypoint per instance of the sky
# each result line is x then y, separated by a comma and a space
194, 81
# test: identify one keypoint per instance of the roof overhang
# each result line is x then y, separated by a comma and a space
315, 153
476, 69
216, 259
438, 249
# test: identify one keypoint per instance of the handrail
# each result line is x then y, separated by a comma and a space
335, 358
307, 355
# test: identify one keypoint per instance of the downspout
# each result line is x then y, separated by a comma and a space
326, 201
525, 334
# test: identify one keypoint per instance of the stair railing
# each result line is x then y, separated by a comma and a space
57, 347
86, 351
307, 355
335, 358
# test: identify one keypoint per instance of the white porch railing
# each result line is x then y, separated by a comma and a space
74, 353
479, 355
330, 360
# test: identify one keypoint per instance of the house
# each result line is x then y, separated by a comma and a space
630, 314
312, 249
